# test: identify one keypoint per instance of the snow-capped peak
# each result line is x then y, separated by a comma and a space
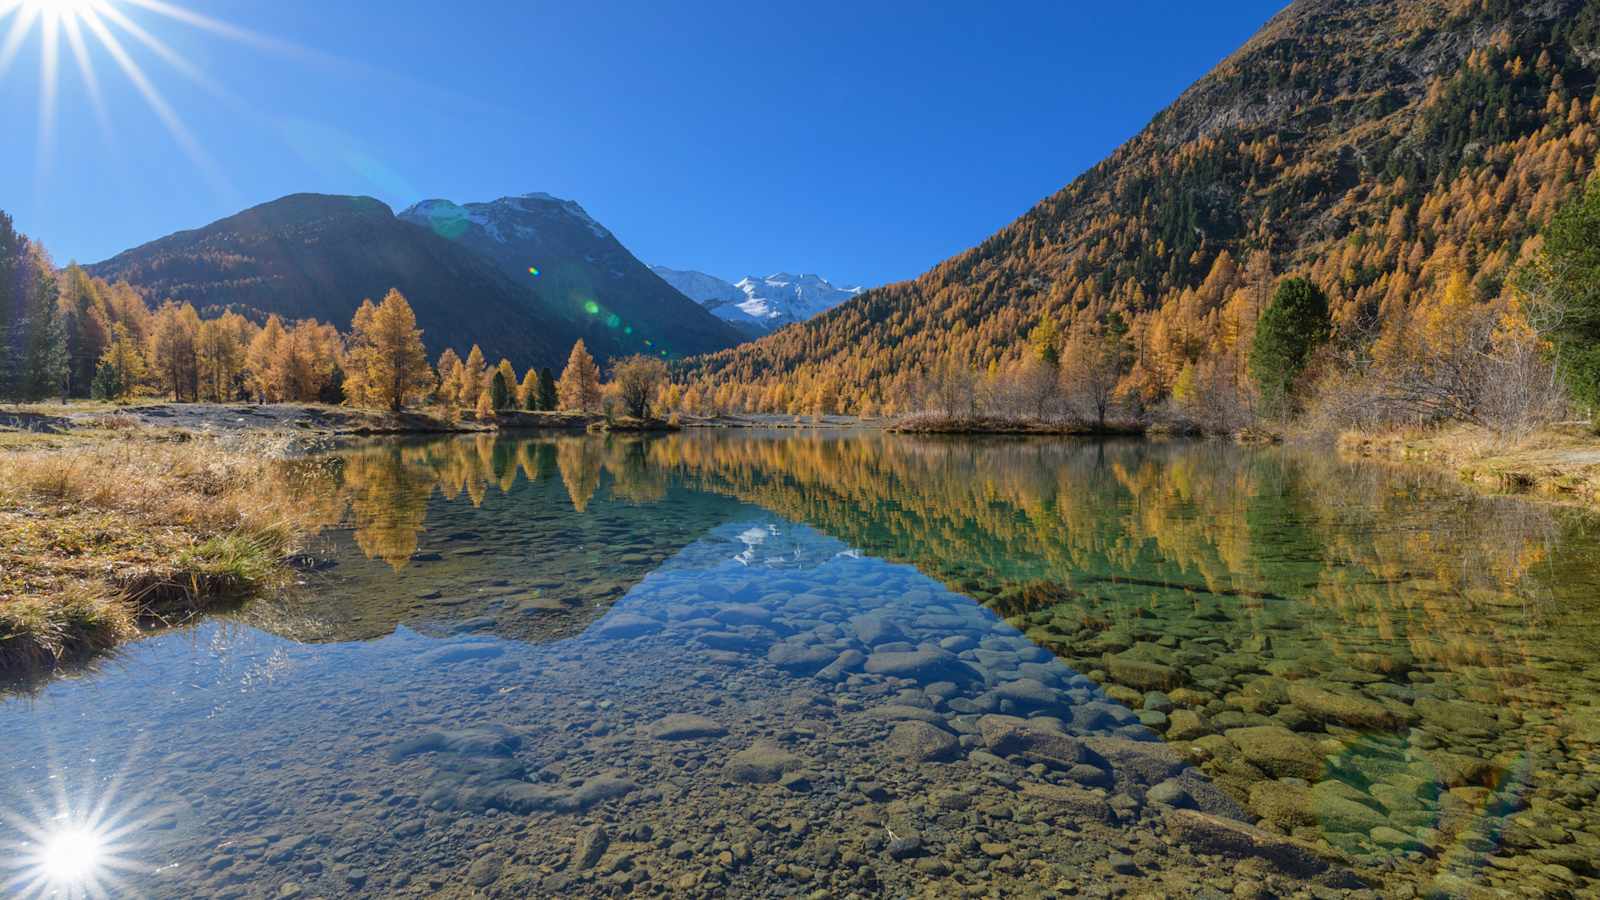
759, 303
504, 220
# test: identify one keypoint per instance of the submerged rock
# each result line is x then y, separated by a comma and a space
921, 742
623, 625
1236, 840
1327, 705
762, 763
592, 844
1278, 751
927, 665
684, 727
485, 741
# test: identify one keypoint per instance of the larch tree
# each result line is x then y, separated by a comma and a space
528, 390
175, 350
637, 379
579, 387
472, 380
259, 356
386, 364
449, 389
223, 343
121, 369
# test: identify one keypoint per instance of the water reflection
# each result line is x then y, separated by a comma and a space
653, 637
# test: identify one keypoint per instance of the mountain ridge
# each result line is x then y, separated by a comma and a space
580, 270
1351, 141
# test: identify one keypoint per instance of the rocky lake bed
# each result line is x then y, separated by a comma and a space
581, 672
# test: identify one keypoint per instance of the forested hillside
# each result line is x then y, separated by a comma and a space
1384, 149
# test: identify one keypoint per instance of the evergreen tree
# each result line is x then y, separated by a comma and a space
548, 398
12, 257
579, 387
507, 374
42, 365
1565, 283
499, 392
1294, 325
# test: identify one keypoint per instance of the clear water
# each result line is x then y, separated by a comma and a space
750, 664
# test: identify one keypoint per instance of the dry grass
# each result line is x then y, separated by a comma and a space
1561, 463
100, 532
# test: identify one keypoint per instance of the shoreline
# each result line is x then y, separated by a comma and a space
1556, 465
172, 541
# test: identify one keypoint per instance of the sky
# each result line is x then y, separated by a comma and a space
865, 141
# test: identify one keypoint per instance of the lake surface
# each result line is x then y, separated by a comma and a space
750, 664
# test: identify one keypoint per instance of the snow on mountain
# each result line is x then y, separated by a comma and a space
759, 304
506, 213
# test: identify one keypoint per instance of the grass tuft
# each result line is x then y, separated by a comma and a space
102, 530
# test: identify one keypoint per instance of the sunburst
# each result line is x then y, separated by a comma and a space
96, 30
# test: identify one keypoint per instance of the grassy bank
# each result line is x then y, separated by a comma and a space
1560, 464
107, 531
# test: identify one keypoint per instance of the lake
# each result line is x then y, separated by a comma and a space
835, 664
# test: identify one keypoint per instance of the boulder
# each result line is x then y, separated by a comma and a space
1278, 751
925, 664
921, 742
1238, 841
800, 659
1031, 740
1325, 705
762, 763
623, 625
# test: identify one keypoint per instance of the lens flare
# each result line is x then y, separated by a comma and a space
534, 271
72, 856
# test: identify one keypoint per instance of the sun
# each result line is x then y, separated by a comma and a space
90, 33
72, 856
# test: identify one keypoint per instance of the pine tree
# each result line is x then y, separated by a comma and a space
1565, 286
1295, 324
548, 396
579, 387
508, 375
499, 391
386, 365
42, 366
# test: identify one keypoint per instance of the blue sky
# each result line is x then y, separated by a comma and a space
863, 141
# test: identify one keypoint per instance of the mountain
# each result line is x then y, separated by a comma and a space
1375, 146
580, 271
757, 305
314, 255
